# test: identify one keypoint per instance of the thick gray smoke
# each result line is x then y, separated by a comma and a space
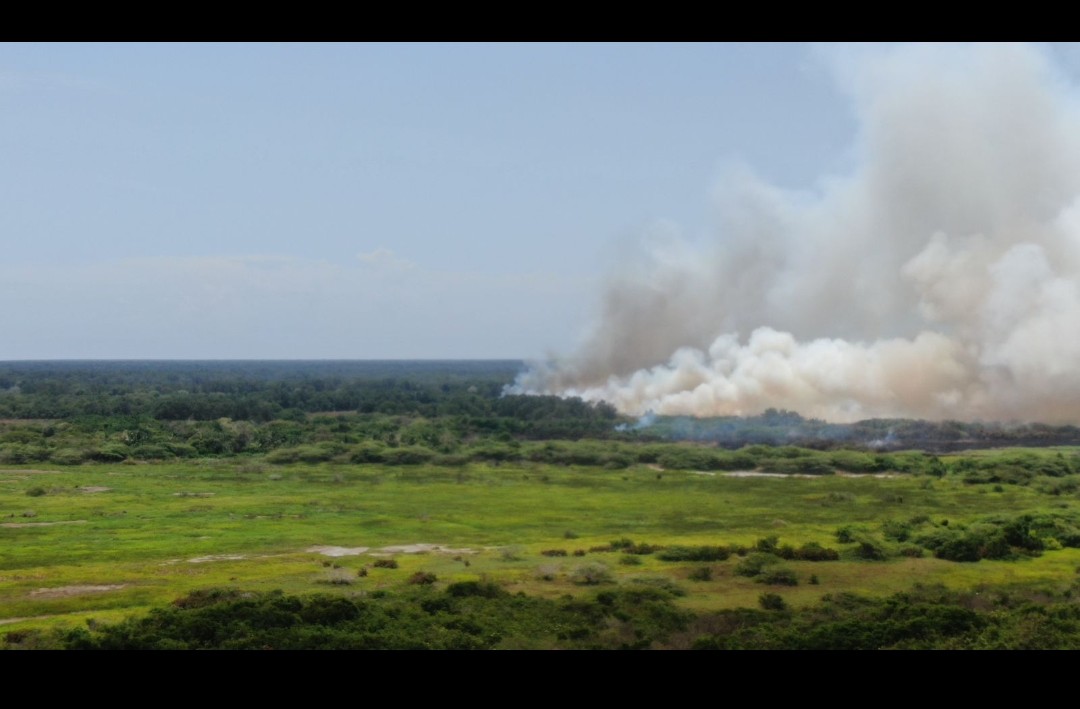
939, 279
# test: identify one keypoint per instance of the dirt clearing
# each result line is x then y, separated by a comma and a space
66, 591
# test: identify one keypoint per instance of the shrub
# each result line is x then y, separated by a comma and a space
547, 572
772, 602
385, 563
845, 535
812, 551
870, 550
778, 577
702, 553
630, 560
511, 553
591, 574
482, 589
754, 564
36, 492
767, 545
423, 578
642, 548
554, 552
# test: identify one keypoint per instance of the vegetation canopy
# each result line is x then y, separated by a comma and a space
413, 505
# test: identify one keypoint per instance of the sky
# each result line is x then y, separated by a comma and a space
366, 200
372, 201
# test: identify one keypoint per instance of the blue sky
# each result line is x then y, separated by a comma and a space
370, 200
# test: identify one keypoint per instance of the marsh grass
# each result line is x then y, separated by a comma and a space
250, 525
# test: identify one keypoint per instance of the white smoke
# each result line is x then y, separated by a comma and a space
940, 279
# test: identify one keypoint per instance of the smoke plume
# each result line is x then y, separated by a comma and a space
939, 279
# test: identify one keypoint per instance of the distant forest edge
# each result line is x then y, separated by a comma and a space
398, 411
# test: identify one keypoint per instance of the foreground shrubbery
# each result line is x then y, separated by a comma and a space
465, 616
990, 537
482, 615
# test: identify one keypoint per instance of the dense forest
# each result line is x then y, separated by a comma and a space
78, 411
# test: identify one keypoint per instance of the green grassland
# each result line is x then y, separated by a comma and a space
101, 542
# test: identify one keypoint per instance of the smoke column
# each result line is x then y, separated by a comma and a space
940, 279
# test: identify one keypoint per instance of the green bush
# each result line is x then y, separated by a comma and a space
702, 553
778, 577
755, 564
772, 602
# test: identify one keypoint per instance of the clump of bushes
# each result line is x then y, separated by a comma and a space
754, 564
482, 589
778, 577
701, 553
772, 602
811, 551
385, 564
423, 578
591, 574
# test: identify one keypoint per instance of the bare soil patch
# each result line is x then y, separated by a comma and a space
756, 474
867, 475
90, 489
423, 549
388, 551
217, 557
66, 591
338, 551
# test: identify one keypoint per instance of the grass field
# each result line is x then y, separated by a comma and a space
100, 542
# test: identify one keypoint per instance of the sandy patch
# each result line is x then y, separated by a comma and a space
65, 591
756, 474
16, 525
867, 475
703, 472
338, 551
217, 557
90, 489
388, 551
423, 549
